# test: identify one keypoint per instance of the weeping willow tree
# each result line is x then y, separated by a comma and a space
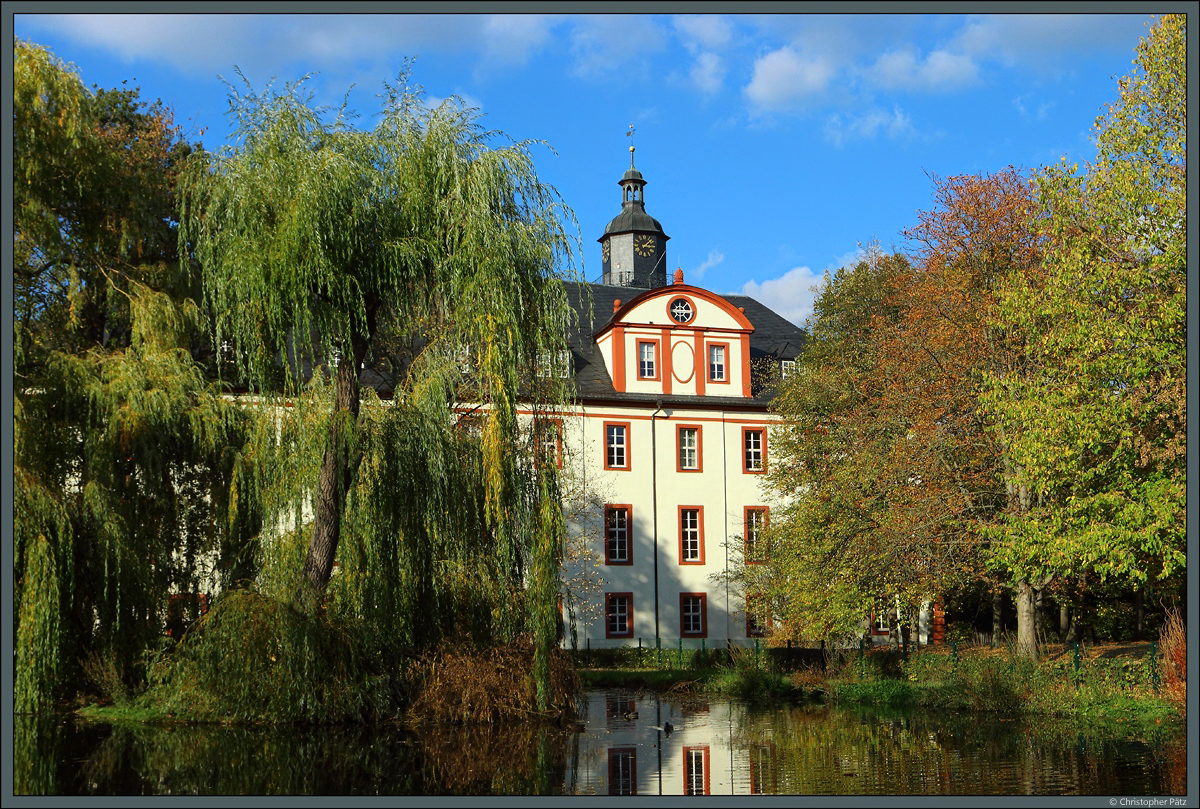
322, 247
120, 441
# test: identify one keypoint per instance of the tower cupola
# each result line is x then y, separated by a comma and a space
633, 249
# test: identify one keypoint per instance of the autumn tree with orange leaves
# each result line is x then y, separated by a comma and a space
888, 460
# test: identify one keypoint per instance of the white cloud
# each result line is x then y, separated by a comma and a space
715, 257
1046, 41
791, 294
785, 77
703, 32
868, 124
267, 44
513, 38
903, 69
606, 43
708, 73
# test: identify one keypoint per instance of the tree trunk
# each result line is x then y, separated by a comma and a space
1064, 621
338, 465
997, 617
1026, 620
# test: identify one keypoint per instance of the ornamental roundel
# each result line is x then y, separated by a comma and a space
681, 310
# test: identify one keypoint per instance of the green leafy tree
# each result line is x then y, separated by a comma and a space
885, 452
120, 441
1094, 421
322, 246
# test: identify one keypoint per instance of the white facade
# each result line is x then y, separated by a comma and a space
671, 449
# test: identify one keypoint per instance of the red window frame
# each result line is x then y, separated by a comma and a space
609, 598
762, 451
700, 534
616, 754
627, 509
626, 427
657, 345
759, 554
679, 467
753, 628
724, 380
700, 753
702, 598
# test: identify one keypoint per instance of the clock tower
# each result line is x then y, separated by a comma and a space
633, 249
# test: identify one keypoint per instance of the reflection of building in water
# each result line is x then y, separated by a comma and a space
625, 750
622, 771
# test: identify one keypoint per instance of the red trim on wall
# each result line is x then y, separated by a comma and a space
746, 365
618, 355
665, 351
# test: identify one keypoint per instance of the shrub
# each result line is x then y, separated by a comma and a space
1172, 640
487, 685
254, 658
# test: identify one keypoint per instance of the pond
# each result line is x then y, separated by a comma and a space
621, 746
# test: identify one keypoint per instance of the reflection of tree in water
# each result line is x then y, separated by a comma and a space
821, 750
788, 750
137, 759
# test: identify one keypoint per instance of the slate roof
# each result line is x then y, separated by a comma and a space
773, 337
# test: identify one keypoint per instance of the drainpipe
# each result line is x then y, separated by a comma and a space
725, 522
654, 507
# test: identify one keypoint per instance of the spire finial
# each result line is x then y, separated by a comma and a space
629, 135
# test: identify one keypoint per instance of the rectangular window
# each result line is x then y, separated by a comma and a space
561, 367
647, 360
693, 615
691, 535
547, 439
617, 545
618, 611
616, 445
754, 450
756, 622
787, 368
762, 770
717, 372
622, 771
755, 550
688, 441
695, 770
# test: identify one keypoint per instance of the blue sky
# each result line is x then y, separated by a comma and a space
774, 146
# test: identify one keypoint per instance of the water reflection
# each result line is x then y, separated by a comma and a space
627, 745
724, 748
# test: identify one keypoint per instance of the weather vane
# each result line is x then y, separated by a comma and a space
629, 135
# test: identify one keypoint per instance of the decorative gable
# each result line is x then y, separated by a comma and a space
677, 340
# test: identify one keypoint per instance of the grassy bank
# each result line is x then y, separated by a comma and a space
1093, 685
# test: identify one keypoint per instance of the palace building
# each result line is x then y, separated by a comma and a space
671, 438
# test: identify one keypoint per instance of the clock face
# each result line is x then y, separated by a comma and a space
605, 251
681, 310
644, 245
